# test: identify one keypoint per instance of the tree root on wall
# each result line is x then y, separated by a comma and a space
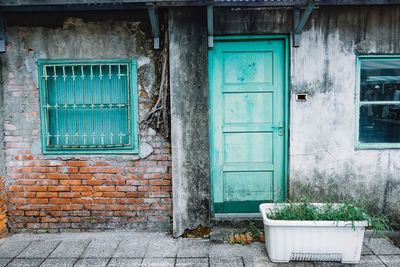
158, 116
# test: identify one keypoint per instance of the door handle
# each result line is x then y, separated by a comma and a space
278, 128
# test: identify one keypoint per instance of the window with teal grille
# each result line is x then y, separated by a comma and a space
88, 106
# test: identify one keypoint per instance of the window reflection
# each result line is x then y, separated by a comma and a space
380, 101
380, 124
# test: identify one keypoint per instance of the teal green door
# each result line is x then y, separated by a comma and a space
247, 117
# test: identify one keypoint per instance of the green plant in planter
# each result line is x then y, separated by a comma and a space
306, 211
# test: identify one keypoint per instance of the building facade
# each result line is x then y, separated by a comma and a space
265, 101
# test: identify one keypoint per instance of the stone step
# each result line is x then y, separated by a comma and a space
222, 227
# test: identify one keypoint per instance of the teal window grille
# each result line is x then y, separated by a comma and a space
88, 106
378, 99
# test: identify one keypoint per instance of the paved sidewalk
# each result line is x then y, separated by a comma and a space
154, 249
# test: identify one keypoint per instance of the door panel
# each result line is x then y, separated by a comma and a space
247, 104
247, 67
248, 147
242, 186
247, 108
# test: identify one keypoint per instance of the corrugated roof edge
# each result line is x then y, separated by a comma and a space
105, 3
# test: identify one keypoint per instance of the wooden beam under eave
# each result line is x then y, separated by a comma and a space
300, 21
210, 25
2, 34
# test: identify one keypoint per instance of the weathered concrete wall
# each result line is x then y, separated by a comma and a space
328, 161
189, 118
55, 193
323, 159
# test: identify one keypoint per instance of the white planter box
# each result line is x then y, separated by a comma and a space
312, 240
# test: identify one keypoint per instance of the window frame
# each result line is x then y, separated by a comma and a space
359, 145
134, 137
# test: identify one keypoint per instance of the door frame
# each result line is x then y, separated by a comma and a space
286, 109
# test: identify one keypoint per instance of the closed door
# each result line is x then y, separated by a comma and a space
247, 115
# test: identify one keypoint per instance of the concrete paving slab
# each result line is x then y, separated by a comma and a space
258, 261
25, 262
370, 261
91, 263
191, 262
193, 248
331, 264
225, 250
4, 262
382, 246
366, 251
132, 248
228, 250
297, 264
166, 247
158, 262
11, 249
125, 262
391, 260
101, 249
70, 249
395, 237
227, 262
39, 249
126, 249
66, 262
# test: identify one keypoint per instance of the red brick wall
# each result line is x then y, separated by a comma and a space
55, 193
52, 193
3, 215
86, 194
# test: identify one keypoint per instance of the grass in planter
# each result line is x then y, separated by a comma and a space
306, 211
310, 212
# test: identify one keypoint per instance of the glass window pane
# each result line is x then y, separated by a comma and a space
380, 80
379, 124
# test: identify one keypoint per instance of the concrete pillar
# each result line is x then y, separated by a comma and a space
189, 118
